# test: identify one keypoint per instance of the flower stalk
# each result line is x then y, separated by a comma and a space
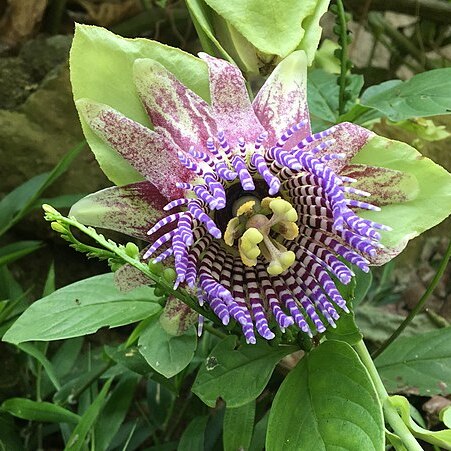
390, 413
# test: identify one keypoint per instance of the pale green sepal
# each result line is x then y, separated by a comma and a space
130, 209
274, 28
418, 212
310, 40
101, 66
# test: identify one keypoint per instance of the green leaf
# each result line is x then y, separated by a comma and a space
327, 402
420, 364
39, 411
238, 427
130, 358
346, 330
17, 250
363, 284
76, 441
114, 412
322, 96
16, 204
425, 94
274, 28
82, 308
192, 438
10, 439
419, 203
259, 436
238, 376
377, 324
109, 80
439, 438
167, 354
445, 416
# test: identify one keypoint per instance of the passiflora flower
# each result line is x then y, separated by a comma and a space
260, 217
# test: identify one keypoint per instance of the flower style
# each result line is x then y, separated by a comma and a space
262, 214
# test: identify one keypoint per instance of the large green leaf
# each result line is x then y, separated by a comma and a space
327, 402
238, 376
377, 324
238, 427
82, 308
101, 66
277, 27
423, 198
425, 94
420, 364
167, 354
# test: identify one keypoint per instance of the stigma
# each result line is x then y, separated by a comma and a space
259, 227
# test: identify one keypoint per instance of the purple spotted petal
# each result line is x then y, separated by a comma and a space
172, 106
386, 186
283, 99
154, 156
130, 209
346, 139
232, 108
128, 278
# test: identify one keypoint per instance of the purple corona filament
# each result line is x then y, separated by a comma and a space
330, 231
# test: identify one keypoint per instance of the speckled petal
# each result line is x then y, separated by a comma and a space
154, 156
283, 99
172, 106
130, 209
387, 186
232, 108
349, 139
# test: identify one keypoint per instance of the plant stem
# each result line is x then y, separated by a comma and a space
420, 304
210, 329
390, 413
344, 56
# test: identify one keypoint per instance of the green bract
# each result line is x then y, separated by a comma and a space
255, 33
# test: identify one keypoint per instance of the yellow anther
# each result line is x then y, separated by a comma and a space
252, 235
287, 259
291, 215
275, 268
231, 230
280, 206
266, 201
252, 253
244, 258
246, 208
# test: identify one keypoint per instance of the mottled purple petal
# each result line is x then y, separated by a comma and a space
387, 186
184, 115
130, 209
128, 278
282, 101
349, 139
232, 108
150, 153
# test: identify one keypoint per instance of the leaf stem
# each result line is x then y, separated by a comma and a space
420, 304
390, 413
343, 56
212, 330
